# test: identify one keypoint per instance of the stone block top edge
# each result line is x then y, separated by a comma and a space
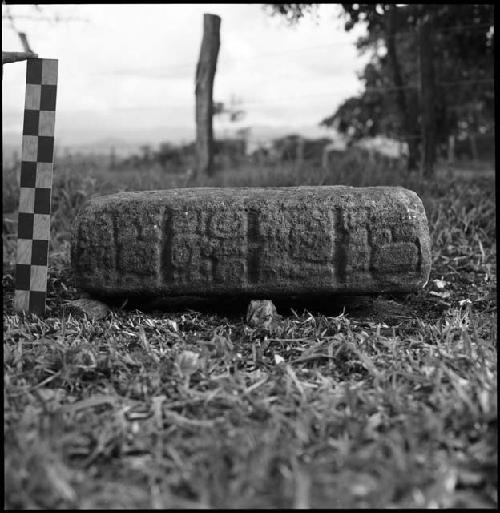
240, 192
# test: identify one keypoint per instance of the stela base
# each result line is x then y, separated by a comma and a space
252, 242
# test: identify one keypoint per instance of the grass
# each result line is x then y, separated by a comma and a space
390, 402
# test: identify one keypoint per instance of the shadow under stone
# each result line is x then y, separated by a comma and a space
236, 306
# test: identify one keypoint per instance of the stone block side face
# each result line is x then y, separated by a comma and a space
118, 245
291, 243
138, 234
204, 247
386, 243
93, 253
290, 240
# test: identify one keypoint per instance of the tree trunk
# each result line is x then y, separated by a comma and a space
451, 150
300, 152
205, 73
473, 148
427, 91
412, 129
406, 102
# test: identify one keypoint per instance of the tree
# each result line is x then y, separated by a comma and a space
463, 42
39, 14
292, 12
204, 83
233, 112
369, 114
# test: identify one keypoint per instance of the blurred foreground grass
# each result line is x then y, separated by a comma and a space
393, 404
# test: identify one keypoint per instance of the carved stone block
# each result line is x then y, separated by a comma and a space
252, 241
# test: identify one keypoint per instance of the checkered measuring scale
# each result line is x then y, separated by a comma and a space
36, 186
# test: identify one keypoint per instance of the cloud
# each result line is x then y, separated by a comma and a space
132, 67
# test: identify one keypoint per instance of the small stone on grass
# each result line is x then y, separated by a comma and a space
93, 308
261, 314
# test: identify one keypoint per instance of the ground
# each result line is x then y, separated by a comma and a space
343, 402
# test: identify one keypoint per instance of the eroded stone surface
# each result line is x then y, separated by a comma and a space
256, 241
261, 313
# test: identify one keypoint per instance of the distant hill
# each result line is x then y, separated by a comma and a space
126, 142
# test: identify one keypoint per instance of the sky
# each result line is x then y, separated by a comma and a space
126, 71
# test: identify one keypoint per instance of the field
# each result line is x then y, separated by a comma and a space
368, 402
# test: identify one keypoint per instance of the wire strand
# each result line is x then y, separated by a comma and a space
224, 61
280, 100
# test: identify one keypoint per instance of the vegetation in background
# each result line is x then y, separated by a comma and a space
463, 48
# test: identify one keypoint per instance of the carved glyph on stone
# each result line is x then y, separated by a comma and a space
290, 240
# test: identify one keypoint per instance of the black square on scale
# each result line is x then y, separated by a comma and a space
34, 71
48, 97
25, 223
42, 201
45, 149
30, 125
23, 273
37, 302
39, 252
28, 174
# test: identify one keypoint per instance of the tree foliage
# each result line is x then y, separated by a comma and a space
291, 12
38, 14
232, 109
463, 42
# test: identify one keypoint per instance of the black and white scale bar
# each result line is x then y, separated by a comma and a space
36, 186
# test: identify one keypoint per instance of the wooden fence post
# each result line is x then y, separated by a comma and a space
205, 73
300, 152
427, 99
451, 150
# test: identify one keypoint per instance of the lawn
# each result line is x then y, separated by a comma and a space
342, 403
